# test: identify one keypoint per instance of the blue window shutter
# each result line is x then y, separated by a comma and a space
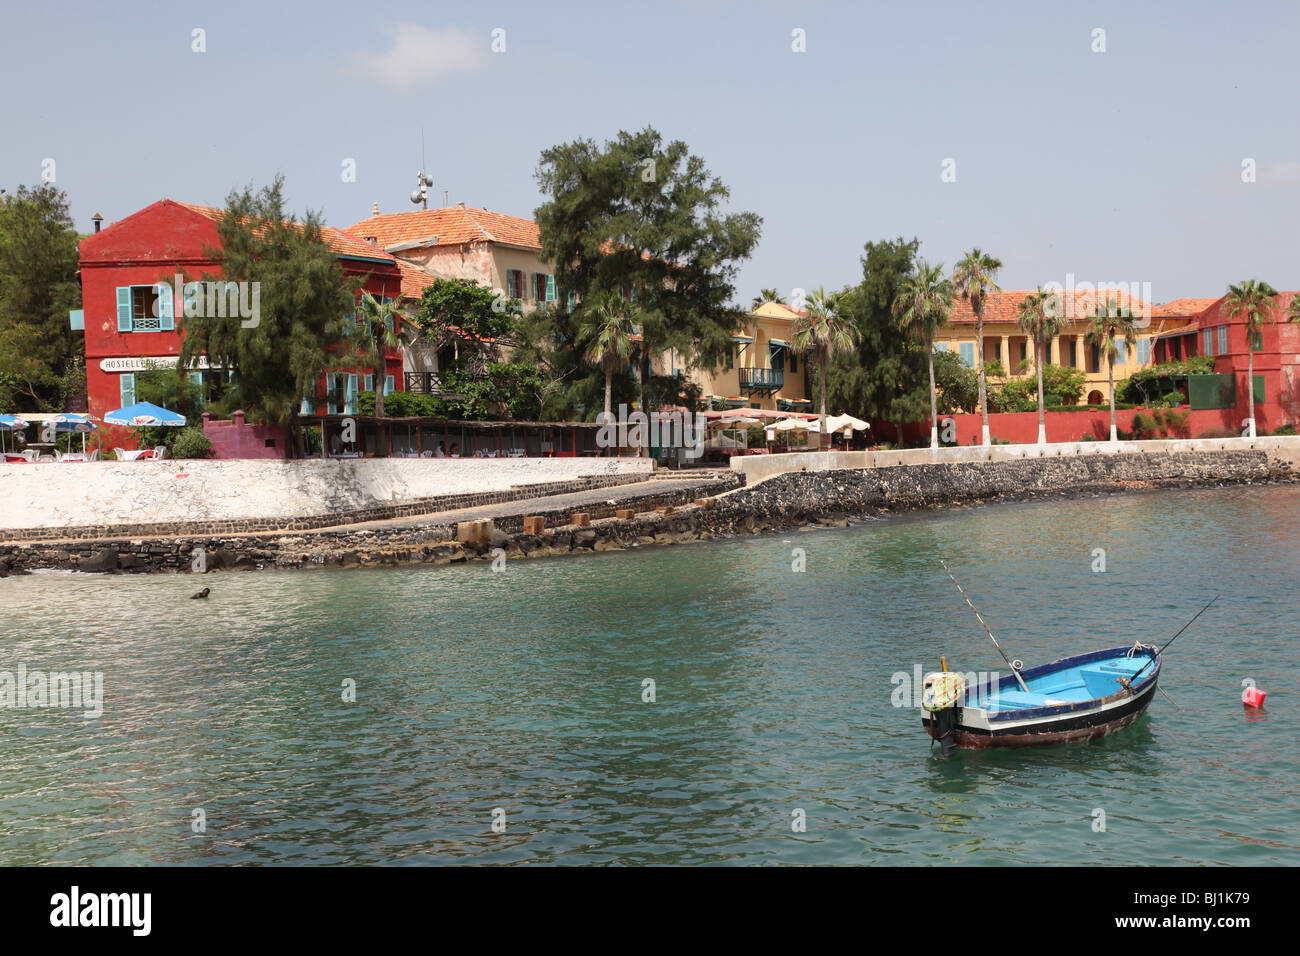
1223, 340
126, 384
967, 354
1144, 351
307, 407
124, 308
77, 318
550, 288
389, 385
370, 383
573, 301
1121, 352
1209, 341
166, 313
351, 408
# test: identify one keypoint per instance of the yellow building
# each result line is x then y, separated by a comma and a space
764, 370
1006, 343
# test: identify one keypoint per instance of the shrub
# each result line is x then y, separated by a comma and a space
1145, 427
1287, 429
192, 443
999, 441
1089, 437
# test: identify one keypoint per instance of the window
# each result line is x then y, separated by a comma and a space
967, 354
126, 387
1209, 341
794, 361
1223, 340
1096, 358
342, 393
539, 286
145, 308
731, 357
1121, 352
1144, 351
515, 283
1257, 341
776, 357
1074, 353
1024, 351
308, 407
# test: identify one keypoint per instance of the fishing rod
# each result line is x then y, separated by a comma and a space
1020, 680
1128, 682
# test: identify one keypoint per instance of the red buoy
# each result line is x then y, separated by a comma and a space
1253, 697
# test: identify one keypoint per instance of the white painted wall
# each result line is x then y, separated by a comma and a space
756, 468
51, 494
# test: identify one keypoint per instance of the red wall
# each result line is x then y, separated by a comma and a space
147, 247
236, 439
1021, 428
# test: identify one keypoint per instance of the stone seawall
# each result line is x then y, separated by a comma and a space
787, 501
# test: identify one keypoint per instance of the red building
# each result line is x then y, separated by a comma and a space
130, 316
1276, 356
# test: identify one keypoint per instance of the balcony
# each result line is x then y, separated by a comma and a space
426, 383
761, 381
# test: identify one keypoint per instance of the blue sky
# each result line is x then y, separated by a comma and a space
1123, 165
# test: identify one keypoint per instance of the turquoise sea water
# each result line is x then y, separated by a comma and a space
523, 691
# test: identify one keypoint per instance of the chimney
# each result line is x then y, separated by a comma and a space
98, 220
374, 209
461, 204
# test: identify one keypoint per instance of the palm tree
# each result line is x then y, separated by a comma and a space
605, 320
1038, 320
924, 303
821, 333
1293, 310
767, 295
1111, 323
972, 279
380, 334
1253, 300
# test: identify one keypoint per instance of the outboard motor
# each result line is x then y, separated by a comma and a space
941, 695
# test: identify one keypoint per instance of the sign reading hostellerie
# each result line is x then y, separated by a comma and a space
147, 363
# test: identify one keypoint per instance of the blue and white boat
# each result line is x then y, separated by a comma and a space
1075, 698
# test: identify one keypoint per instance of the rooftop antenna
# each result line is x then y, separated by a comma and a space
420, 195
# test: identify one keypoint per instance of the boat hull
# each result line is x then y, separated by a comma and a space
978, 728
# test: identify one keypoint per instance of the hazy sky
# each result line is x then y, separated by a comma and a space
1123, 165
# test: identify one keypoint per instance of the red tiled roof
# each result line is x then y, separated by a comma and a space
339, 241
451, 225
1182, 307
1004, 306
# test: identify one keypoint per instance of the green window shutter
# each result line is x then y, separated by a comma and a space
351, 403
573, 301
126, 384
124, 308
389, 385
550, 288
166, 313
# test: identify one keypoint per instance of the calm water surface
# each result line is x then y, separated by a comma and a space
523, 691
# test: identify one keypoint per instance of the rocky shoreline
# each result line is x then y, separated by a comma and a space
827, 498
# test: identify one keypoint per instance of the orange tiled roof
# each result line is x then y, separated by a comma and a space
451, 225
1004, 306
414, 279
1182, 307
340, 242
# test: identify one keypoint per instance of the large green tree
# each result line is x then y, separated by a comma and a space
884, 376
306, 321
1253, 301
645, 216
41, 357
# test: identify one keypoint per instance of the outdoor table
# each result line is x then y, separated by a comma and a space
137, 454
